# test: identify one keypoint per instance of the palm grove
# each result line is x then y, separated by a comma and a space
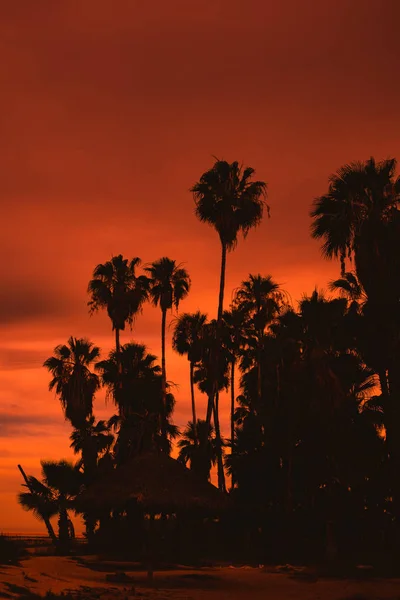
314, 391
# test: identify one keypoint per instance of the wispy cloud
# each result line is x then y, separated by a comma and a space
13, 424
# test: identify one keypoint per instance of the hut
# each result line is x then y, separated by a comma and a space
158, 484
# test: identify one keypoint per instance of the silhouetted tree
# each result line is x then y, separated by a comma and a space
91, 440
359, 218
169, 285
228, 199
212, 376
234, 339
198, 447
54, 495
73, 381
116, 288
137, 392
187, 339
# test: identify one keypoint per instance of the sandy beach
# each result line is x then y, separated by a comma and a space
39, 575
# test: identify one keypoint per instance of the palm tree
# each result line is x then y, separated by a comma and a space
229, 199
54, 495
73, 380
187, 339
349, 287
359, 218
356, 213
169, 285
233, 340
92, 440
260, 300
197, 447
139, 399
212, 376
116, 287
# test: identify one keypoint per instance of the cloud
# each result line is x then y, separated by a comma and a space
13, 359
27, 424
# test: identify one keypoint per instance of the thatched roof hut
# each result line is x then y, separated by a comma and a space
158, 483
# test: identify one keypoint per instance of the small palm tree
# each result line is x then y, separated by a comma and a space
187, 339
260, 301
73, 381
91, 440
348, 286
116, 288
198, 448
139, 400
54, 495
169, 285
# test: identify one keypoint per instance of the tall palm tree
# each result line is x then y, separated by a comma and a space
212, 376
233, 340
54, 495
73, 381
116, 288
187, 339
169, 285
228, 199
197, 447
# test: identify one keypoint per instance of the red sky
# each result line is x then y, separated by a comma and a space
110, 111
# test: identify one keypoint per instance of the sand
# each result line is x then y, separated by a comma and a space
59, 574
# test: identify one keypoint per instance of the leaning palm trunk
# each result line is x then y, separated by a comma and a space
218, 440
46, 520
232, 415
118, 391
163, 374
194, 418
215, 397
222, 283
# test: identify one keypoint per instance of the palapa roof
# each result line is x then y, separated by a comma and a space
158, 483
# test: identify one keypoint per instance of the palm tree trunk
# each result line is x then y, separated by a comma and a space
46, 520
63, 528
163, 372
259, 378
213, 405
220, 464
194, 419
210, 409
232, 414
118, 398
117, 345
222, 283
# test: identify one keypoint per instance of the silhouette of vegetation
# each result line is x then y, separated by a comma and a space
73, 381
54, 495
191, 449
169, 285
187, 339
313, 394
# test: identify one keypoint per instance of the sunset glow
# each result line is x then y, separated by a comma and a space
110, 115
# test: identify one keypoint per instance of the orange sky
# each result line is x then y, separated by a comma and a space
110, 111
